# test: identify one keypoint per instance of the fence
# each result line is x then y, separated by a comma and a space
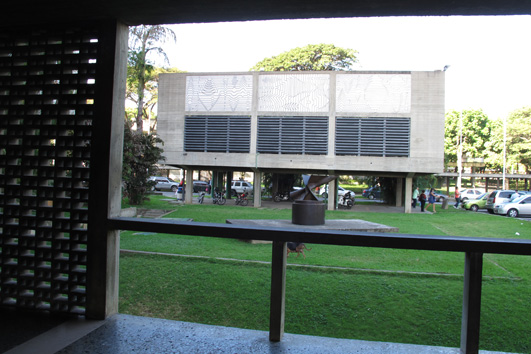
472, 247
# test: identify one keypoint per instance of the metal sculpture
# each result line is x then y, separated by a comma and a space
307, 209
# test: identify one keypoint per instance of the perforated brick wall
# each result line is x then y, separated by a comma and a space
47, 104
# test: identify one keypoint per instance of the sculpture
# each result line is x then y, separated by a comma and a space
307, 209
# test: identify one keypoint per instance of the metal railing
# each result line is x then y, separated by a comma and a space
472, 247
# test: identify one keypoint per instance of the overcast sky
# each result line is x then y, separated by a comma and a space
489, 57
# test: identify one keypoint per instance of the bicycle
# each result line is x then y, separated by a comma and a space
219, 198
242, 199
201, 197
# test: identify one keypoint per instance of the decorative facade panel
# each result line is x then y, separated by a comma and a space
373, 93
294, 93
219, 93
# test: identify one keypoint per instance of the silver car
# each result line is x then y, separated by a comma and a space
164, 183
515, 208
498, 197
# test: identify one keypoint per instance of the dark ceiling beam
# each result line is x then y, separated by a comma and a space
134, 12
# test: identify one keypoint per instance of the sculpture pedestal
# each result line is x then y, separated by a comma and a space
308, 212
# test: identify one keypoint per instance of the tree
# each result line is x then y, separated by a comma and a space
312, 57
494, 147
150, 93
139, 162
145, 42
519, 137
474, 135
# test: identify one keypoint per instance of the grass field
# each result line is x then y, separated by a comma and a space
402, 296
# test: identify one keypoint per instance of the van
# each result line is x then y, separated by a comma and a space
498, 197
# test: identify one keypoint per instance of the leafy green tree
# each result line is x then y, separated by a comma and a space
519, 137
494, 147
476, 133
312, 57
145, 43
141, 154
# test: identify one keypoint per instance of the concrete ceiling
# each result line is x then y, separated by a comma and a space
135, 12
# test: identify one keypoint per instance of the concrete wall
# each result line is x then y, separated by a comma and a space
421, 99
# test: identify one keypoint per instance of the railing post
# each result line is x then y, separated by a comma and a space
278, 291
471, 303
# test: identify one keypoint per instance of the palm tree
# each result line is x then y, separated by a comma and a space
145, 40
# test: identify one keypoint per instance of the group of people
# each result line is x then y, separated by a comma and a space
422, 199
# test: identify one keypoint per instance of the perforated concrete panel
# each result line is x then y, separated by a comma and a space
47, 102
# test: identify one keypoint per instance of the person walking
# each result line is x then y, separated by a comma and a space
414, 197
457, 198
431, 200
422, 200
514, 195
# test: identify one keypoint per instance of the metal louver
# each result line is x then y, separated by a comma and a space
293, 135
217, 134
373, 136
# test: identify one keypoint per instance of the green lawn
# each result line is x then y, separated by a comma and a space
349, 292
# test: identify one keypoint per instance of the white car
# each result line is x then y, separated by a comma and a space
239, 187
515, 208
471, 193
323, 192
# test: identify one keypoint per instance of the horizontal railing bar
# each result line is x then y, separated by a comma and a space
330, 237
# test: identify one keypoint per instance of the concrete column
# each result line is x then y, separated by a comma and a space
189, 180
103, 251
257, 189
228, 184
332, 116
399, 188
408, 195
332, 194
254, 115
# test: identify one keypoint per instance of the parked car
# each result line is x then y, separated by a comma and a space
476, 203
200, 186
238, 187
164, 183
471, 193
439, 196
515, 208
372, 193
498, 197
323, 192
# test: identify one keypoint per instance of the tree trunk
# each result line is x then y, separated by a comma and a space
141, 84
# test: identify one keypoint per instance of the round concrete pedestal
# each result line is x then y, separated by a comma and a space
308, 212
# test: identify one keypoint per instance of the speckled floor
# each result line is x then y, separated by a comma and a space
125, 334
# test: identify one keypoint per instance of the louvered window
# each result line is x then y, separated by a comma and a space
217, 134
373, 136
293, 135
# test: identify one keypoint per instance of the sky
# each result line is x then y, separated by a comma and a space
489, 57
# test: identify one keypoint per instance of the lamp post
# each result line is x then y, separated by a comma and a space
504, 148
460, 151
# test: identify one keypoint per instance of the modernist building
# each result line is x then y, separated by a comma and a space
361, 123
62, 85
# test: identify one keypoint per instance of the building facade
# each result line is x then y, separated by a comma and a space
361, 122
